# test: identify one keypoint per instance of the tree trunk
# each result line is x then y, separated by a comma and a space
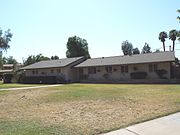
173, 44
164, 46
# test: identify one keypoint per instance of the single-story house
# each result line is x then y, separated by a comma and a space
52, 71
6, 69
145, 68
140, 68
8, 72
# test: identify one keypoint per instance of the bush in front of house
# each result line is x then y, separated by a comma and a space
42, 80
138, 75
161, 73
106, 76
84, 77
7, 78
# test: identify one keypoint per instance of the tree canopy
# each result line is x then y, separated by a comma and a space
179, 22
178, 35
76, 47
146, 48
162, 37
9, 60
1, 60
127, 47
173, 35
157, 51
33, 59
55, 57
136, 51
178, 16
5, 39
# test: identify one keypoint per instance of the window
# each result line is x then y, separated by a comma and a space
52, 71
81, 71
59, 70
153, 67
124, 69
91, 70
108, 69
98, 70
36, 71
33, 72
114, 69
150, 68
42, 73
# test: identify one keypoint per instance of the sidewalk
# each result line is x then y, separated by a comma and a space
168, 125
33, 87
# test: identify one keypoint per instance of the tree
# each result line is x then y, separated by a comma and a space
5, 39
77, 47
33, 59
162, 37
136, 51
1, 60
4, 43
157, 51
146, 48
9, 60
127, 47
173, 35
178, 35
4, 60
179, 22
178, 16
55, 57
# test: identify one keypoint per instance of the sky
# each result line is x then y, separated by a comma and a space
44, 26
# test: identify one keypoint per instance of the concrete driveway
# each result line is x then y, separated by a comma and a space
168, 125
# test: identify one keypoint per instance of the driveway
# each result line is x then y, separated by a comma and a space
168, 125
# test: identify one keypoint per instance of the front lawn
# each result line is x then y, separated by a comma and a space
84, 108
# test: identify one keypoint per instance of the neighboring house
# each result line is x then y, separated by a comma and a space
6, 69
52, 71
128, 68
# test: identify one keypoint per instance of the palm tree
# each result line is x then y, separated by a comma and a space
162, 37
178, 16
173, 35
178, 35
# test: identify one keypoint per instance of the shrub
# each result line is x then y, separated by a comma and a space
7, 78
106, 76
161, 73
84, 77
138, 75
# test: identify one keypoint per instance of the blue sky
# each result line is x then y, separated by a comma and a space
43, 26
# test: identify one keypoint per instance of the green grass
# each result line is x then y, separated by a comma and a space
24, 127
15, 85
111, 92
84, 108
